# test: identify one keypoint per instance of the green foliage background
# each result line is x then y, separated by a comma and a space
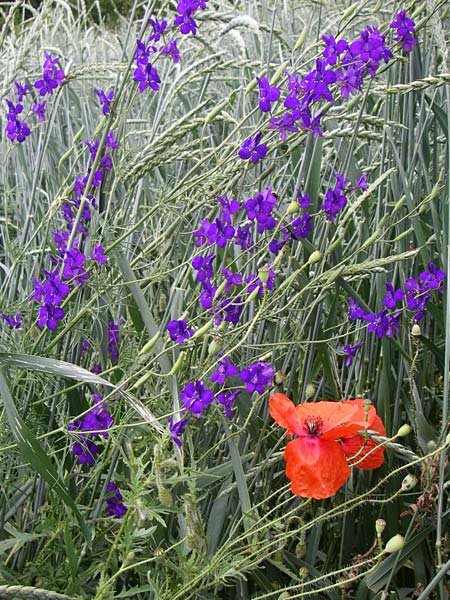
218, 520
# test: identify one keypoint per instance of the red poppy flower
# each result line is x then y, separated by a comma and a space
328, 441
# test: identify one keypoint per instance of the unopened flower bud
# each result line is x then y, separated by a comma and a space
395, 544
303, 572
310, 391
215, 346
409, 482
404, 430
431, 445
279, 378
293, 207
415, 329
380, 524
201, 332
315, 257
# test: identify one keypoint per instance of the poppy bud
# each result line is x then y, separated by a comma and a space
263, 274
395, 544
404, 430
431, 445
315, 257
279, 378
409, 482
310, 391
215, 346
415, 330
380, 524
293, 207
129, 558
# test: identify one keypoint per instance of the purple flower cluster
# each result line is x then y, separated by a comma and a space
196, 397
179, 331
405, 30
113, 341
416, 292
341, 70
52, 77
114, 505
94, 424
186, 10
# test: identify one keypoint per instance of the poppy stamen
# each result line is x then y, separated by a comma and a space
313, 426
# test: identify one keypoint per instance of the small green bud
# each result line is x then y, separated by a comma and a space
263, 274
380, 524
129, 558
293, 207
201, 332
315, 257
215, 346
404, 430
395, 544
303, 572
409, 482
431, 445
415, 329
310, 391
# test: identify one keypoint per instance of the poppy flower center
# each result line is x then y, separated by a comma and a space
313, 426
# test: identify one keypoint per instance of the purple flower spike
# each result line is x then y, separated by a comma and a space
392, 296
147, 76
39, 110
196, 398
405, 29
158, 29
179, 331
383, 324
98, 254
355, 312
252, 148
105, 100
257, 377
22, 90
333, 49
267, 94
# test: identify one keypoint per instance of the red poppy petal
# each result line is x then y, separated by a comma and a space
337, 418
283, 411
316, 467
360, 450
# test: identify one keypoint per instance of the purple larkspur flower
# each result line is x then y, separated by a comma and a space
227, 400
253, 149
196, 398
22, 90
207, 294
333, 49
383, 324
176, 429
432, 279
268, 94
105, 100
334, 202
203, 266
405, 30
14, 322
98, 254
229, 310
260, 209
392, 296
355, 312
171, 50
349, 80
350, 352
52, 76
114, 505
49, 315
85, 450
179, 331
232, 279
243, 237
257, 377
301, 226
229, 208
147, 76
224, 369
39, 110
73, 267
303, 199
285, 123
158, 27
315, 85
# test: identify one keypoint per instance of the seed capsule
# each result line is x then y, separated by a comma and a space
395, 544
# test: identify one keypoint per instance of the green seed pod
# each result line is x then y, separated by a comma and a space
315, 257
409, 482
300, 549
215, 346
404, 430
149, 345
201, 332
263, 274
395, 544
415, 330
293, 207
